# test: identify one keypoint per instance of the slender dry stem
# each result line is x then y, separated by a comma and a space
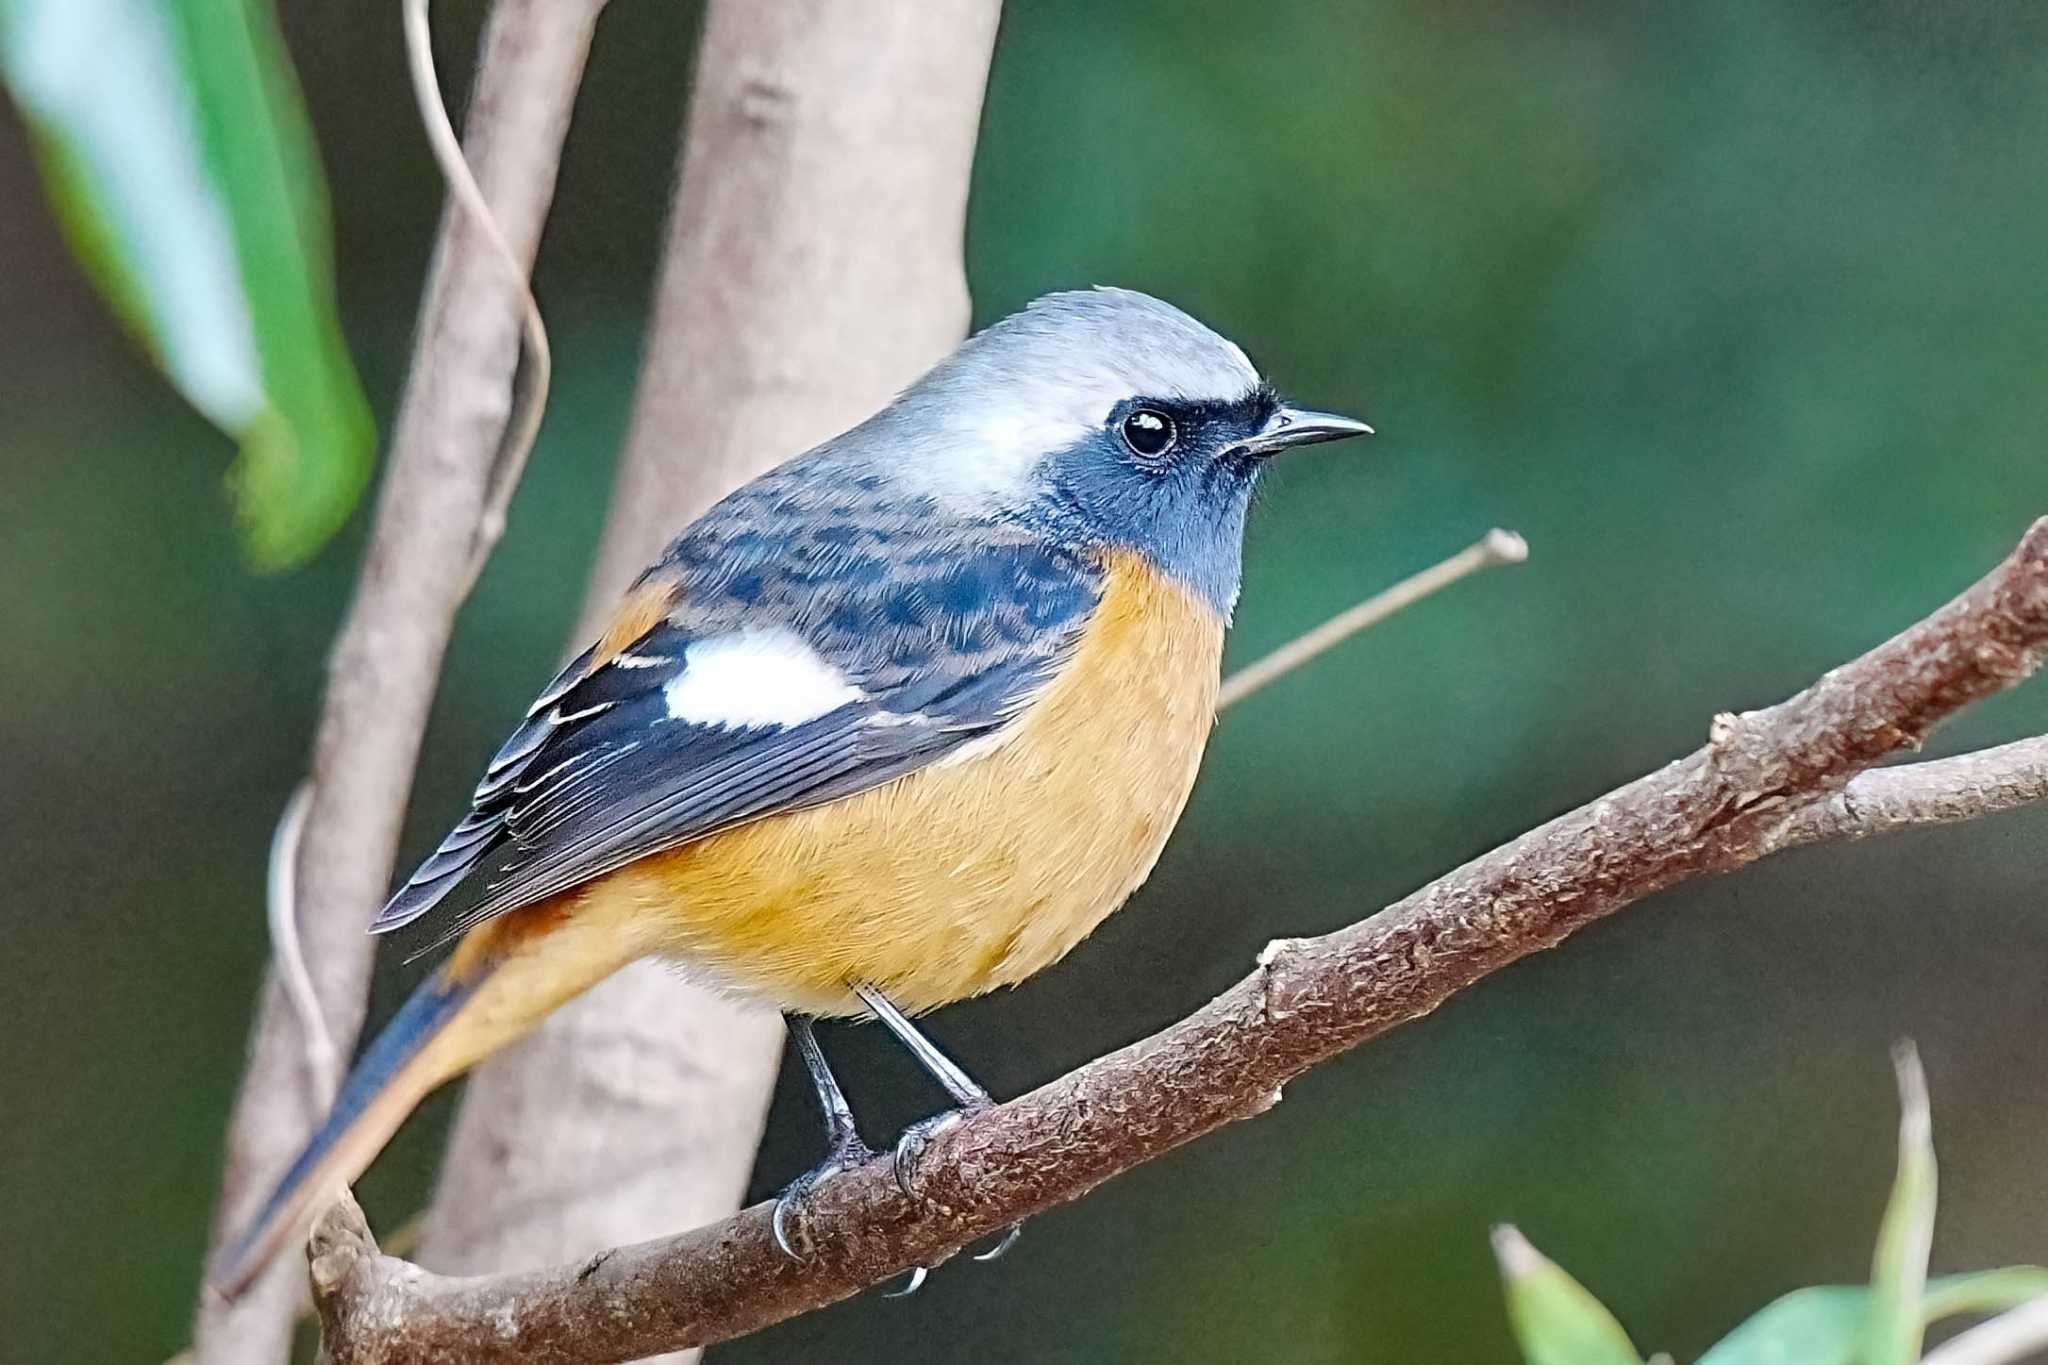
532, 398
1495, 547
288, 959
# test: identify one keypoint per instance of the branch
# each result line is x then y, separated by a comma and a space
387, 656
1719, 808
1938, 792
515, 441
1495, 547
812, 268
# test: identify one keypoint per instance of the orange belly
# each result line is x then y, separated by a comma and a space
974, 872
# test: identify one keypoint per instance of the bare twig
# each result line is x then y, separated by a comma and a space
532, 398
288, 958
1714, 810
1940, 791
813, 266
388, 654
1495, 547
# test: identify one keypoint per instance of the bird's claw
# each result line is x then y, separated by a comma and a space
1009, 1239
917, 1274
910, 1148
789, 1205
778, 1222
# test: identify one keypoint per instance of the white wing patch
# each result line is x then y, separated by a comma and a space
754, 678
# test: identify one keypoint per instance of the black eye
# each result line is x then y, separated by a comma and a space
1149, 433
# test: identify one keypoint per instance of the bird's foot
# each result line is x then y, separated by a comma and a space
845, 1154
910, 1150
911, 1147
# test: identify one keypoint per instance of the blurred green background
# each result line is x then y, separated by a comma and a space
1738, 311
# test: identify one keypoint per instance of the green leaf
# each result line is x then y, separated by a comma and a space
1823, 1325
1898, 1274
181, 166
1882, 1324
1555, 1320
1818, 1326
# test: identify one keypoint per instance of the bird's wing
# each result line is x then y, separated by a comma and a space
718, 711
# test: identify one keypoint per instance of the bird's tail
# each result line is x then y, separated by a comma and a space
499, 983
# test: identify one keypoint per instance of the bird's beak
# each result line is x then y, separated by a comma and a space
1290, 427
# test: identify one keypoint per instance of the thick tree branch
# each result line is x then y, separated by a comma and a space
1737, 799
387, 656
812, 268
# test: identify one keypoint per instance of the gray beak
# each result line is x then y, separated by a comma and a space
1290, 427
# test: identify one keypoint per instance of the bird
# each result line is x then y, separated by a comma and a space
895, 724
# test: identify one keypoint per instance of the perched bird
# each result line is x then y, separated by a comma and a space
895, 724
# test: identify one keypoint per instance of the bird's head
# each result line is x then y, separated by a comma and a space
1107, 417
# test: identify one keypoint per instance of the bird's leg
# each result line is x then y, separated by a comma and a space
843, 1147
968, 1098
965, 1090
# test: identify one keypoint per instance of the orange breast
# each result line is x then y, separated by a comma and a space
974, 872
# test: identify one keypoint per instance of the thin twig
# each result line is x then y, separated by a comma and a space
530, 396
1495, 547
1715, 810
2012, 1336
281, 908
1939, 791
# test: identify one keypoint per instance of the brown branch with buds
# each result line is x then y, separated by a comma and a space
1789, 774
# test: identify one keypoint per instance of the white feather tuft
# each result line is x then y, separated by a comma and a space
754, 678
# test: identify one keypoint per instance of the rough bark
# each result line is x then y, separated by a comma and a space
813, 267
387, 656
1937, 793
1748, 792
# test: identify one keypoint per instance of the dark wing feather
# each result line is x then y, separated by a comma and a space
675, 788
947, 637
482, 831
630, 781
